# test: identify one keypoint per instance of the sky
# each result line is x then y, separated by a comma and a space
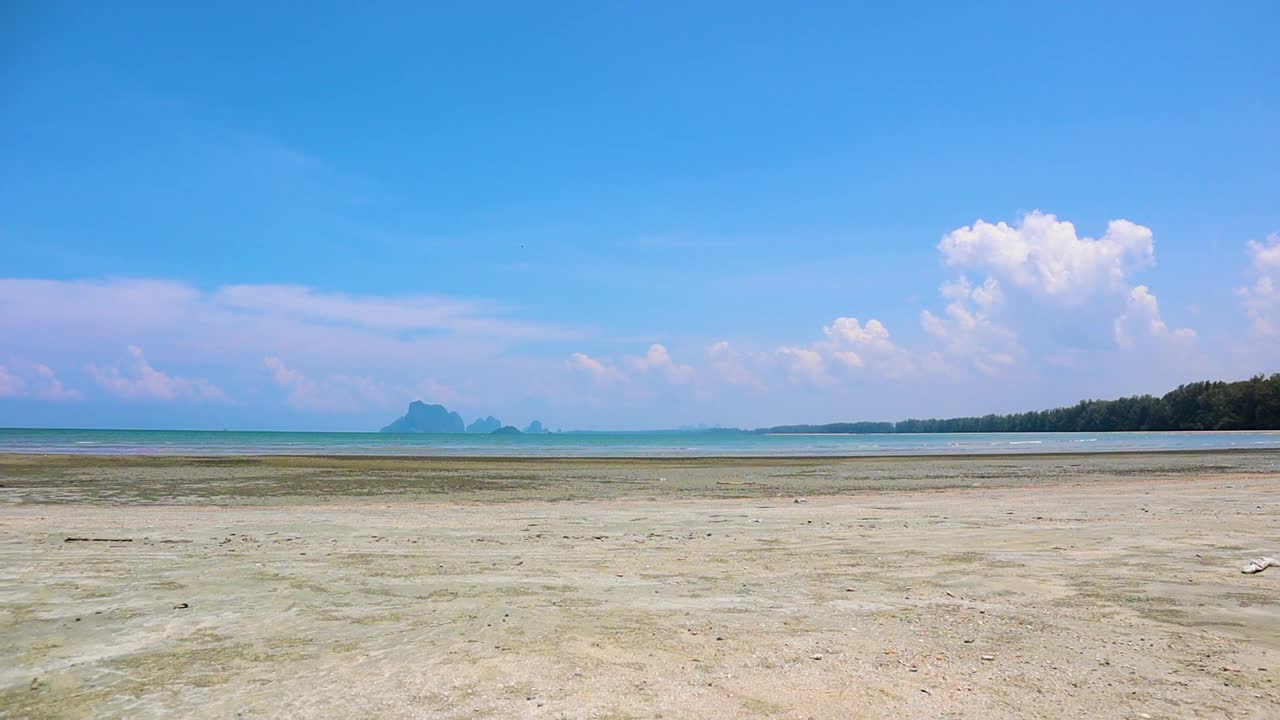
629, 215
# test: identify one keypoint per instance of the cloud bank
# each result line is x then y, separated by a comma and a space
1047, 297
1015, 301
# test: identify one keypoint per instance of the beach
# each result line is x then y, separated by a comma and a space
1028, 586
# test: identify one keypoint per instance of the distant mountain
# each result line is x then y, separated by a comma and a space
535, 428
484, 425
507, 430
424, 418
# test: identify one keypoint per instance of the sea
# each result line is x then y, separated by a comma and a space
611, 444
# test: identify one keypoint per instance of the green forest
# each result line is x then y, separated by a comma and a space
1252, 404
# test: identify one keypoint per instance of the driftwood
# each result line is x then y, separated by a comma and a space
82, 539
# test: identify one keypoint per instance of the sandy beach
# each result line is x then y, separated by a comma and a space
1072, 586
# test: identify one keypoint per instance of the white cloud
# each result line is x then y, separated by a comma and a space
731, 365
1262, 305
600, 372
11, 385
70, 316
142, 381
387, 313
969, 338
967, 334
805, 365
658, 361
1141, 320
1262, 299
335, 393
388, 337
847, 332
49, 387
1049, 293
848, 358
1020, 296
1265, 256
23, 379
986, 295
848, 345
1045, 255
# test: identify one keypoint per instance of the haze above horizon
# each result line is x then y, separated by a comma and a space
608, 217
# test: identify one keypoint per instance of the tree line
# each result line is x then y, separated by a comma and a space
1252, 404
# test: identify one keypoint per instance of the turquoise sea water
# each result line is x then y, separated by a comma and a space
656, 444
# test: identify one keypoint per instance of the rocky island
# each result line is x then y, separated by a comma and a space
424, 418
484, 425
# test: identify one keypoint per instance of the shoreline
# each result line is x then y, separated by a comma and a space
604, 459
317, 480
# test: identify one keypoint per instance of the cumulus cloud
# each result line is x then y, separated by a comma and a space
1049, 292
805, 365
966, 333
846, 332
142, 381
334, 393
600, 372
986, 295
1045, 255
847, 345
1262, 299
1141, 320
658, 361
969, 338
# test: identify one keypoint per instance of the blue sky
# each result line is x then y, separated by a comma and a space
607, 215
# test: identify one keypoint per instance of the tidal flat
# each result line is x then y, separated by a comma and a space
1052, 586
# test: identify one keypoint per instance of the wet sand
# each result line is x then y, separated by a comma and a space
1033, 586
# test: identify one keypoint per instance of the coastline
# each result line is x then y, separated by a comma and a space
311, 479
560, 446
605, 459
